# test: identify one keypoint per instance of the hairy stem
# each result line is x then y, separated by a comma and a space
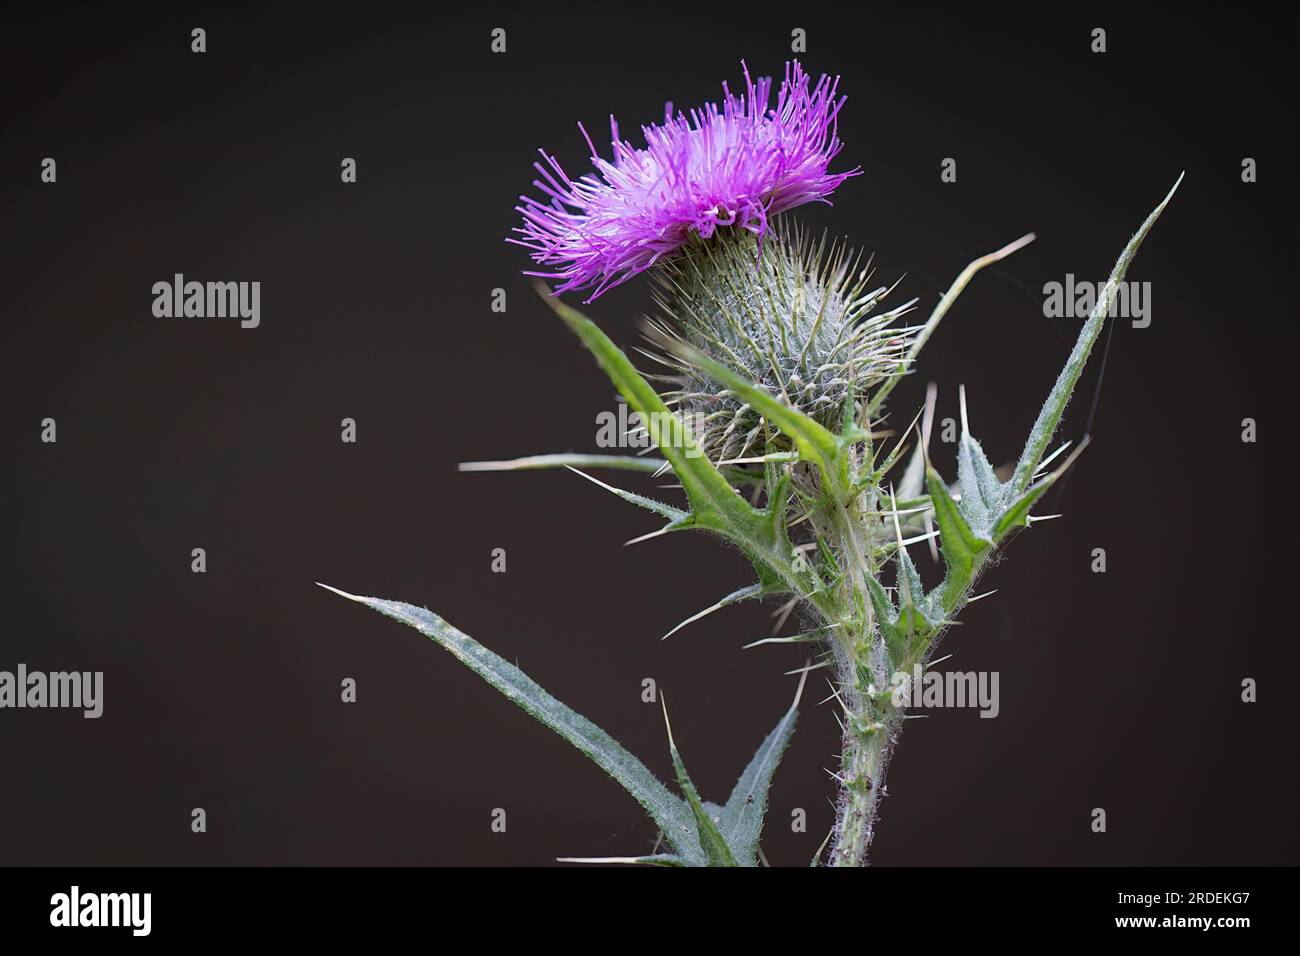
871, 723
871, 730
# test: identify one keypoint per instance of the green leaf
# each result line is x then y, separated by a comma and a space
1017, 513
669, 811
982, 495
715, 505
990, 510
711, 839
919, 616
675, 515
886, 614
1050, 415
742, 817
963, 548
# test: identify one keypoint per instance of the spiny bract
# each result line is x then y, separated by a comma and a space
793, 315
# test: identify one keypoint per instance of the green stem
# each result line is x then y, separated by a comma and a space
871, 723
871, 731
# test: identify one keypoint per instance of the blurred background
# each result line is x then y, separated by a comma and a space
222, 690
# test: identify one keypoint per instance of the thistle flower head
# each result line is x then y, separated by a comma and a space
736, 164
801, 323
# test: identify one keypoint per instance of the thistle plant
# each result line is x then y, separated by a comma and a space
782, 350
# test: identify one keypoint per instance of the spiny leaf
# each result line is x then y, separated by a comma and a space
982, 495
1050, 415
1017, 513
742, 817
908, 626
919, 617
963, 549
880, 602
670, 812
711, 839
715, 506
675, 515
911, 592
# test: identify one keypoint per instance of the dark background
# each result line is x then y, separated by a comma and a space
222, 689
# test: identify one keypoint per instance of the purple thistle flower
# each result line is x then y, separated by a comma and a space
734, 165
